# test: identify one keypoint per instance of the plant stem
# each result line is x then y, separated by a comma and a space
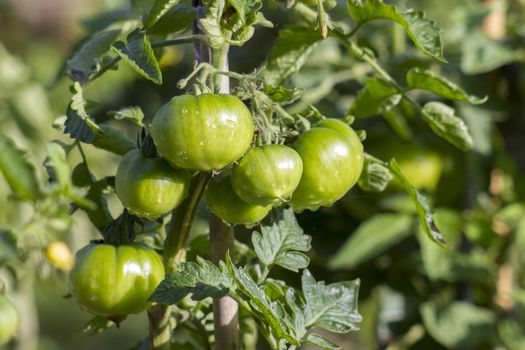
179, 227
225, 310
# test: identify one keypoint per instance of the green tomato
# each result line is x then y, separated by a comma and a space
205, 132
267, 175
227, 206
150, 187
332, 164
115, 281
9, 320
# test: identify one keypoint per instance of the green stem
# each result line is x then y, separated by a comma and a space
187, 39
180, 226
175, 252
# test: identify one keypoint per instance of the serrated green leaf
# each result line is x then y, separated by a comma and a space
443, 121
430, 81
292, 48
377, 96
423, 32
245, 7
18, 172
81, 66
159, 8
137, 52
372, 238
132, 113
375, 176
113, 140
331, 307
325, 343
481, 54
422, 207
282, 242
79, 124
211, 24
177, 20
202, 279
458, 325
258, 300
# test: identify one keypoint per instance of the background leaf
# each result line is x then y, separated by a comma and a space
376, 97
137, 52
423, 32
443, 121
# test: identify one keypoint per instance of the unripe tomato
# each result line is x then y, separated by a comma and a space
228, 207
9, 320
59, 255
332, 163
267, 175
150, 187
205, 132
114, 281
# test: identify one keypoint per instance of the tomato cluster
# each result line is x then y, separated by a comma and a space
210, 132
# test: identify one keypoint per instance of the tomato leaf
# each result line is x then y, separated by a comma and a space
430, 81
82, 65
132, 113
113, 140
292, 48
203, 279
18, 171
282, 242
322, 342
377, 96
443, 121
423, 32
375, 175
422, 207
177, 20
137, 52
458, 325
372, 238
159, 8
78, 123
331, 307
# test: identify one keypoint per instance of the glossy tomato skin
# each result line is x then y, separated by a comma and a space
267, 175
114, 281
227, 206
9, 320
150, 187
205, 132
332, 164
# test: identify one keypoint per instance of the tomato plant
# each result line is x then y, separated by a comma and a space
267, 175
242, 135
224, 202
333, 161
149, 187
115, 281
204, 132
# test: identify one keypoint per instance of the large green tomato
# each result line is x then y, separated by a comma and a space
267, 175
115, 281
205, 132
228, 207
150, 187
332, 163
9, 320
